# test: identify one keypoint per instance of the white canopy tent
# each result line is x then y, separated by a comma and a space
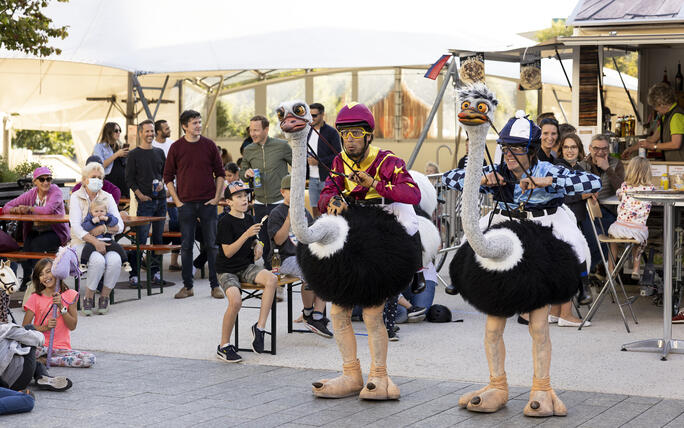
108, 40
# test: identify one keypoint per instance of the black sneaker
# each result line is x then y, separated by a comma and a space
228, 354
318, 326
257, 339
415, 311
392, 335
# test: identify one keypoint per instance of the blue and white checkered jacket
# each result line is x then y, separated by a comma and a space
565, 182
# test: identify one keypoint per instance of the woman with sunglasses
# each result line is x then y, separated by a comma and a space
43, 198
113, 155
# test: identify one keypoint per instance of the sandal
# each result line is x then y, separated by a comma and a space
57, 383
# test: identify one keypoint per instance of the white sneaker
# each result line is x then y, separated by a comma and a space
194, 272
553, 319
566, 323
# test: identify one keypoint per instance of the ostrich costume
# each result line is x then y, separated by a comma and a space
517, 265
360, 257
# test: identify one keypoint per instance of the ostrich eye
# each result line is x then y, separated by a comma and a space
299, 110
281, 113
465, 105
482, 108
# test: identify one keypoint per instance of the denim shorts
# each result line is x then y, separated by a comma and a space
248, 274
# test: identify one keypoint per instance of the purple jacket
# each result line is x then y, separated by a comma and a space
54, 204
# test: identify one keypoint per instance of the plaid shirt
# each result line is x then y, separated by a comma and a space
565, 182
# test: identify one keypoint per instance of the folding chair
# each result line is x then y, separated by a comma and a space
594, 212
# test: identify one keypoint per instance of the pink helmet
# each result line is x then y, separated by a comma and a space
355, 114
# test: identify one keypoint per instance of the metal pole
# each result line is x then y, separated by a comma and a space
668, 210
631, 101
563, 67
451, 73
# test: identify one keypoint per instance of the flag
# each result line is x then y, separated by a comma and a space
434, 70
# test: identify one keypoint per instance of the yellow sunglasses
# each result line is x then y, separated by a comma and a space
354, 132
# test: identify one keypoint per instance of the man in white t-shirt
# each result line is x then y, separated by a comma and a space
162, 140
325, 151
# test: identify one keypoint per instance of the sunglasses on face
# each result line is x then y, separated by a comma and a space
355, 133
600, 149
117, 131
44, 179
517, 150
315, 115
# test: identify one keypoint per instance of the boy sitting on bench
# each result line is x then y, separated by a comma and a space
238, 249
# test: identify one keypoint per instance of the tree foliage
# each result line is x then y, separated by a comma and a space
557, 29
49, 142
230, 123
24, 28
628, 63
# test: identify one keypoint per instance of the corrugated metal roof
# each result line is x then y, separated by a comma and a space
625, 12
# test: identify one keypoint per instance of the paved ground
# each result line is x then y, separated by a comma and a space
135, 390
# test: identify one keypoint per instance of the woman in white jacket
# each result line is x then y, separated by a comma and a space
100, 263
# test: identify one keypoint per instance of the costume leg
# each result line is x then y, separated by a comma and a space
379, 385
495, 395
351, 381
543, 400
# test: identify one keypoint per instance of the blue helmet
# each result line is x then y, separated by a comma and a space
520, 131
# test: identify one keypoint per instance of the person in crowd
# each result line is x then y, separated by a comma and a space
565, 129
162, 136
633, 213
411, 306
196, 163
163, 140
145, 178
12, 402
548, 151
50, 291
270, 156
612, 174
571, 152
431, 168
113, 154
226, 156
232, 172
669, 134
246, 142
44, 198
239, 248
321, 153
18, 364
545, 115
97, 216
107, 185
101, 263
285, 242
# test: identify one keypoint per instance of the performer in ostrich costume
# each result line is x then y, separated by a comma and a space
360, 257
532, 257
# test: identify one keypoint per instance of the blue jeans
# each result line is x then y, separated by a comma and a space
188, 215
315, 188
424, 300
608, 219
153, 208
14, 402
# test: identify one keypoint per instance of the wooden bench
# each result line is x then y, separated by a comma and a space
158, 249
251, 291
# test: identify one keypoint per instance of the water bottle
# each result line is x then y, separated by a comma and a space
155, 183
257, 178
665, 182
275, 262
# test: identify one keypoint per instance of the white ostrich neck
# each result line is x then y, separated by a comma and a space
496, 247
298, 220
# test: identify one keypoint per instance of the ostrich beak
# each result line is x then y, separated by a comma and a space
472, 117
292, 123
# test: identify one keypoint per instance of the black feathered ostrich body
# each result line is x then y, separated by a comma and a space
515, 266
360, 257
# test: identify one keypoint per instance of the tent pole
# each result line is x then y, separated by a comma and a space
451, 74
130, 101
213, 104
161, 96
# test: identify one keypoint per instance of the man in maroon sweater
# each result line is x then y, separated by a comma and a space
196, 164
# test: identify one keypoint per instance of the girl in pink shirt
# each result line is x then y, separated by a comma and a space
39, 313
632, 213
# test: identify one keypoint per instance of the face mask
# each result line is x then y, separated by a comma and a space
94, 184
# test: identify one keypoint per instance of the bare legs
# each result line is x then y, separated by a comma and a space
543, 400
495, 395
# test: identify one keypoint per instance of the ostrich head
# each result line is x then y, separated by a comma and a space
328, 234
499, 249
295, 118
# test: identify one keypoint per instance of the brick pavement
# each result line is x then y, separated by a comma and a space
136, 390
